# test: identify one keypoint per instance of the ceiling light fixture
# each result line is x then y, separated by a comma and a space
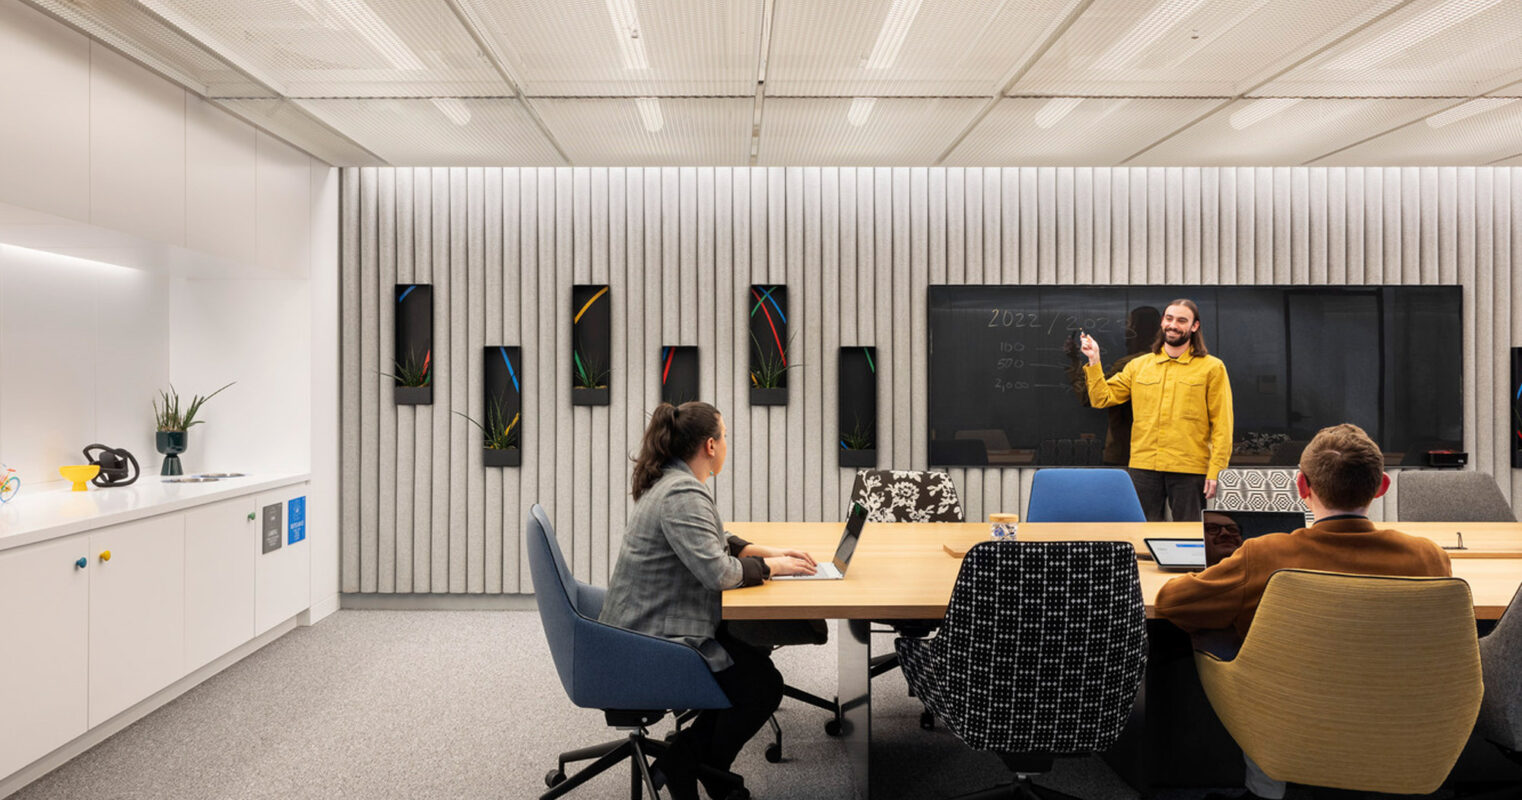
627, 33
1468, 110
1146, 33
861, 109
453, 108
891, 37
374, 30
1054, 110
1412, 32
1259, 110
650, 113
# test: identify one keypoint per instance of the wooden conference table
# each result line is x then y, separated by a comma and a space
907, 570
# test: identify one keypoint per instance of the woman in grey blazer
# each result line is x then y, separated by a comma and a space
675, 561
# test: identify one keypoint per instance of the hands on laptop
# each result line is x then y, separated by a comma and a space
790, 562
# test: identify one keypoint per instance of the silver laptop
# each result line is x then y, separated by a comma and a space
836, 569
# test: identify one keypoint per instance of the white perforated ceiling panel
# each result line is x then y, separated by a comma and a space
884, 131
904, 47
649, 132
1069, 131
1281, 132
1476, 132
286, 119
457, 133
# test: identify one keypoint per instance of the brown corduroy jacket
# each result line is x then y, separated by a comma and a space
1227, 594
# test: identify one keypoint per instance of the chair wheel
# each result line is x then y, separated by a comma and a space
927, 720
832, 727
774, 753
554, 778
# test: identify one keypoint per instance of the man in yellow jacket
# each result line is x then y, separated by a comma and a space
1181, 414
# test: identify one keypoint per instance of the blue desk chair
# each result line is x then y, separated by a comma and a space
1083, 495
634, 678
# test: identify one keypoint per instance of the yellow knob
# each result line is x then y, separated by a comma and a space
105, 555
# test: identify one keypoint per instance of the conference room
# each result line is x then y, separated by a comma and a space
1105, 399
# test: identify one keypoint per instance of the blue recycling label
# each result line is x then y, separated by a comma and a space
296, 520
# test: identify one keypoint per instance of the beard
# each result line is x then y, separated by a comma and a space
1175, 338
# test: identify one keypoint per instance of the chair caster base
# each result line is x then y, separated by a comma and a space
832, 728
554, 778
774, 753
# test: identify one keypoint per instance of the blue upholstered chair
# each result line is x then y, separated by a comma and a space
1040, 657
1083, 495
635, 679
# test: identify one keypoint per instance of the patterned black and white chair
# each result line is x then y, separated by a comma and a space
904, 495
1040, 657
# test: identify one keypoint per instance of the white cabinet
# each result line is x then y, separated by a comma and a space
219, 579
137, 612
44, 619
282, 558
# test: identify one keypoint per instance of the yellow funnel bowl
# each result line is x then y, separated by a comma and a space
79, 474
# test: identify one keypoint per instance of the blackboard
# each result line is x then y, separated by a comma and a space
1006, 382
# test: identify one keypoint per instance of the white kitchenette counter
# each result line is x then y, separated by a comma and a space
38, 514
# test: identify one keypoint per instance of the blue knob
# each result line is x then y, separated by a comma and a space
81, 563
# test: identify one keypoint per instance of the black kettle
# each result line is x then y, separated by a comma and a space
117, 466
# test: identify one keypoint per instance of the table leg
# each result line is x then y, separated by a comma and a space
856, 700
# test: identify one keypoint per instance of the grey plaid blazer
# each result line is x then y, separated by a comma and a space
674, 563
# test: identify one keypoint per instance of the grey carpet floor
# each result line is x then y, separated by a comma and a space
466, 704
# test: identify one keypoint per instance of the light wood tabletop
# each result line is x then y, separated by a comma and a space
906, 570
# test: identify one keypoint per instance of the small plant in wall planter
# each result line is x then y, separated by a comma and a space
768, 377
591, 386
858, 448
172, 425
499, 443
414, 379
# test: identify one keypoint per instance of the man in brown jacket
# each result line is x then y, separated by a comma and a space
1341, 472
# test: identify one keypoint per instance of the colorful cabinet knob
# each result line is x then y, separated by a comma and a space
105, 555
250, 516
81, 563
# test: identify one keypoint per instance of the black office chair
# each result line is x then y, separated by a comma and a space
1040, 657
903, 495
1500, 720
634, 678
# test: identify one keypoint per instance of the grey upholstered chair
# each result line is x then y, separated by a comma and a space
1431, 495
1500, 721
1041, 654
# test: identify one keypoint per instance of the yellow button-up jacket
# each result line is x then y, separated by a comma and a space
1181, 411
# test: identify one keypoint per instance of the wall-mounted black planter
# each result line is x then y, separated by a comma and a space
414, 395
768, 397
591, 344
858, 406
501, 457
769, 364
504, 402
679, 374
413, 343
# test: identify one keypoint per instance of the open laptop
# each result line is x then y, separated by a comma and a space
1222, 533
836, 569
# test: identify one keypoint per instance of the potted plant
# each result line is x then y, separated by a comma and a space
591, 381
173, 425
858, 448
499, 443
414, 380
768, 376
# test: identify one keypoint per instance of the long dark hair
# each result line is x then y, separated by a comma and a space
675, 432
1196, 339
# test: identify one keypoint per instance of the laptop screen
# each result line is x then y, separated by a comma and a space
1225, 531
854, 523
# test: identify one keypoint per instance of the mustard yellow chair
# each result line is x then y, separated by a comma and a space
1353, 681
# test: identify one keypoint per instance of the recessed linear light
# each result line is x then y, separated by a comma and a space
1468, 110
1146, 33
1054, 111
1259, 110
861, 109
75, 261
626, 32
374, 30
1414, 31
891, 37
454, 109
650, 113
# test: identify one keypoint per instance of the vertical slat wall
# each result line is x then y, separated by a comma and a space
856, 247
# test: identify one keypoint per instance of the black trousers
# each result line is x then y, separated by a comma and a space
754, 688
1183, 492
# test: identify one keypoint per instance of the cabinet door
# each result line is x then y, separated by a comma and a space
282, 557
137, 612
219, 579
44, 623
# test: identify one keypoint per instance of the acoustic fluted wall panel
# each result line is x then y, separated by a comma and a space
856, 248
